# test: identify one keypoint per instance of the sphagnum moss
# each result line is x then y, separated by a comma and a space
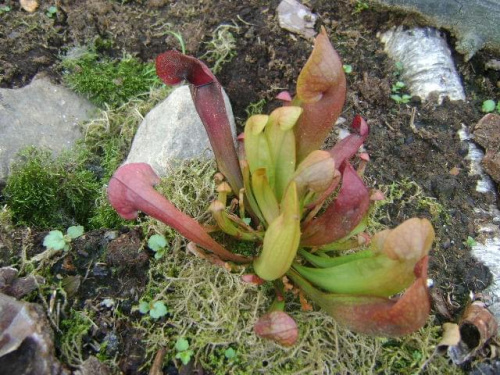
215, 310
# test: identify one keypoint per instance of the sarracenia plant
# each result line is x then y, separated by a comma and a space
303, 207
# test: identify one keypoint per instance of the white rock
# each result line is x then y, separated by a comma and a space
173, 131
42, 115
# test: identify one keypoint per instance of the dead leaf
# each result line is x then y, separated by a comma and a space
304, 305
451, 337
440, 304
251, 278
277, 326
156, 368
212, 258
377, 195
454, 171
286, 284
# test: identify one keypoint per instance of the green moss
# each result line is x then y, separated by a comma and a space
107, 81
104, 215
48, 193
54, 193
71, 337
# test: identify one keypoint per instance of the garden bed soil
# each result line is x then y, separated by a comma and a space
268, 60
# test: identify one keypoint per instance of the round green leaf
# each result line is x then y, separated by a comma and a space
182, 344
158, 310
75, 231
54, 240
157, 242
230, 353
159, 254
488, 106
185, 356
144, 307
347, 69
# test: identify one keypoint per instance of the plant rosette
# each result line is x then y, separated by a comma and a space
299, 206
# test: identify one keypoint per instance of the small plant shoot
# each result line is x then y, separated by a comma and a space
397, 96
470, 242
182, 349
299, 207
157, 243
51, 12
488, 106
347, 69
156, 309
56, 240
230, 353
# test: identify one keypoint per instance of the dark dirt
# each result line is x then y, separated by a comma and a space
268, 60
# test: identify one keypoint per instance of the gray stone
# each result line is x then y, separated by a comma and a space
173, 131
26, 340
92, 366
42, 115
475, 23
16, 287
295, 17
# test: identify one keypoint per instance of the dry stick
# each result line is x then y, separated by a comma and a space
156, 367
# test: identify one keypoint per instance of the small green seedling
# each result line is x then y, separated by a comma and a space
157, 243
156, 309
399, 68
51, 12
397, 86
230, 353
183, 352
397, 96
5, 9
360, 6
470, 242
347, 69
489, 106
401, 99
179, 37
56, 240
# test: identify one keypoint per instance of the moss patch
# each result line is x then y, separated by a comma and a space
46, 192
105, 81
215, 311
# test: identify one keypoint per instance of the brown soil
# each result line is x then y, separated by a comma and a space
269, 60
